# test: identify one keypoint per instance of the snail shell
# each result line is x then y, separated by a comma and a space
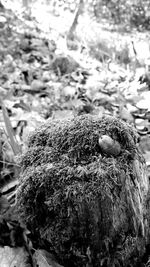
109, 145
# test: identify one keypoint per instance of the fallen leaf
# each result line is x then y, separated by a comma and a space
45, 259
10, 257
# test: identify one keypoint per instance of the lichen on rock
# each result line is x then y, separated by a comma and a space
90, 206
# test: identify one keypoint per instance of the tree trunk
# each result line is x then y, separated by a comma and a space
71, 33
84, 190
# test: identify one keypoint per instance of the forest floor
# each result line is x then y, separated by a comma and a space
107, 74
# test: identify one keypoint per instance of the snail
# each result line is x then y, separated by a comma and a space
109, 146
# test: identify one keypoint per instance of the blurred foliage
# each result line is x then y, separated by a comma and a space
130, 13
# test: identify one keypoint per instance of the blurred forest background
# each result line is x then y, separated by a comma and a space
60, 59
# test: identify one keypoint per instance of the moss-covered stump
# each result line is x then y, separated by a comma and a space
88, 203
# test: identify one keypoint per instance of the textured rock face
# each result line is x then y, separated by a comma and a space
90, 206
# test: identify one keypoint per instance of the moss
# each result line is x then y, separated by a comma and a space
83, 202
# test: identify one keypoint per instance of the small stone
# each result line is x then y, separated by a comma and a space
37, 85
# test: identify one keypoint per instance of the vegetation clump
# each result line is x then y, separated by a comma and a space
90, 206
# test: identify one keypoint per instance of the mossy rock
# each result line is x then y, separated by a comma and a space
90, 206
64, 65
